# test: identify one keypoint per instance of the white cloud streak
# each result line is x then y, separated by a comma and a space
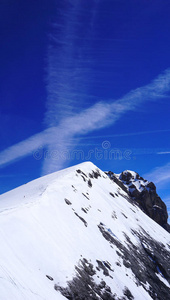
25, 147
104, 114
164, 152
68, 74
68, 68
160, 175
130, 134
98, 116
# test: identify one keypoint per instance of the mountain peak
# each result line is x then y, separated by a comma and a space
144, 194
76, 234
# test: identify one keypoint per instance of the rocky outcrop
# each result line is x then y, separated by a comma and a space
144, 194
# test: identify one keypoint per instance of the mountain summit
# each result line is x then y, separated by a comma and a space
143, 193
80, 234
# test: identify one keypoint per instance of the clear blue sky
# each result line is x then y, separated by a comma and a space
84, 80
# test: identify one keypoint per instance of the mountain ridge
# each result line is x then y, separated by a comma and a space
76, 234
143, 193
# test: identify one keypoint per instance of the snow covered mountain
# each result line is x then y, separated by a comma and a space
76, 234
143, 193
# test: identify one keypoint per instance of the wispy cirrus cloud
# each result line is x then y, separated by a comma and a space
100, 115
68, 66
26, 147
160, 175
133, 134
103, 114
68, 111
164, 152
69, 77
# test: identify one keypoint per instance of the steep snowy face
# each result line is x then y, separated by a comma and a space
144, 194
76, 234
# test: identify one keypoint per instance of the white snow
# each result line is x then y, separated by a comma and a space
41, 235
160, 276
139, 184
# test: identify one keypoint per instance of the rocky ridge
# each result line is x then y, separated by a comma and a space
76, 234
144, 194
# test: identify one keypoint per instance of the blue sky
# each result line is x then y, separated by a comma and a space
84, 80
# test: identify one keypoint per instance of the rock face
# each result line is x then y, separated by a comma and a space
144, 194
77, 235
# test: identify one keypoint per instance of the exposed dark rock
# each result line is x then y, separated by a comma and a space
82, 174
128, 293
144, 263
49, 277
68, 202
146, 260
95, 174
83, 178
85, 223
74, 188
85, 196
114, 215
89, 183
112, 194
83, 209
124, 215
83, 286
102, 266
113, 177
144, 194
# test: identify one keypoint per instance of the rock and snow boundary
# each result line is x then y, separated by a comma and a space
76, 234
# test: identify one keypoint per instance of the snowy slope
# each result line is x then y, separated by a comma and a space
78, 217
